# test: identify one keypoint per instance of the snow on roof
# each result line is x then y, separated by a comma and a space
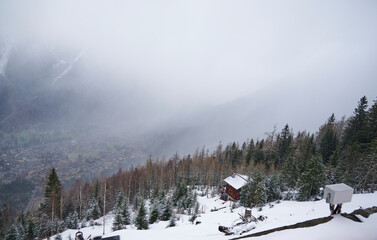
236, 180
339, 187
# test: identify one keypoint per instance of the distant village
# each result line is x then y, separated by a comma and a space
74, 159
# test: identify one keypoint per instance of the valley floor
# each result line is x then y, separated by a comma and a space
280, 214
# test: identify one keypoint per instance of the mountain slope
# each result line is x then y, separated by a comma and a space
281, 214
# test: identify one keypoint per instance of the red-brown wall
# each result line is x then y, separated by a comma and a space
233, 193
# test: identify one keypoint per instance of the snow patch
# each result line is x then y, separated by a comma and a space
283, 213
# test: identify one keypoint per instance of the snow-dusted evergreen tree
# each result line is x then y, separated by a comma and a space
82, 224
141, 221
330, 175
30, 231
273, 190
12, 233
118, 221
311, 179
44, 228
72, 220
166, 210
93, 211
172, 221
119, 196
195, 212
183, 197
154, 212
136, 202
125, 212
180, 194
21, 225
60, 226
254, 192
190, 199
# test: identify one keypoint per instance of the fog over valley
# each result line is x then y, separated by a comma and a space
165, 116
163, 77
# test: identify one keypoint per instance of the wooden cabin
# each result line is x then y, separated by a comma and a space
234, 184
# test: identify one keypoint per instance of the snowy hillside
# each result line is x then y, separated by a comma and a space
278, 214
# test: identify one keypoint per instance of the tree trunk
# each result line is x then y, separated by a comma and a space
61, 206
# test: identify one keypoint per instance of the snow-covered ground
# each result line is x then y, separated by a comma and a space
281, 214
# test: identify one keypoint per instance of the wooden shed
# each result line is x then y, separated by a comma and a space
234, 184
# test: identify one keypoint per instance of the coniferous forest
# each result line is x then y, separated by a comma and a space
284, 165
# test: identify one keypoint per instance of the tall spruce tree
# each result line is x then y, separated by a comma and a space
273, 190
290, 172
357, 129
154, 213
118, 221
126, 215
51, 205
329, 140
250, 152
122, 217
166, 210
372, 121
254, 193
311, 179
141, 221
93, 212
284, 144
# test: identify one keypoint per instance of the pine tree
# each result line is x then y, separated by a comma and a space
284, 143
329, 140
154, 213
250, 152
195, 212
141, 221
53, 189
119, 196
357, 130
348, 163
254, 193
172, 221
259, 153
290, 172
30, 229
118, 221
273, 191
72, 220
166, 210
12, 233
260, 198
99, 199
93, 211
180, 193
372, 121
311, 179
125, 212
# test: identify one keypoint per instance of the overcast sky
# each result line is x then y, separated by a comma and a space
211, 52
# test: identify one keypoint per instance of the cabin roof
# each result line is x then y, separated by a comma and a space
236, 180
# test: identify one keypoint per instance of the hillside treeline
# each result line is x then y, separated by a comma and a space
283, 165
